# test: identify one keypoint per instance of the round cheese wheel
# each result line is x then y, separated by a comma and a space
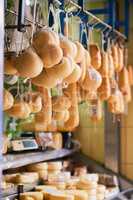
20, 110
78, 194
51, 55
45, 37
95, 56
8, 100
9, 65
61, 197
28, 64
44, 187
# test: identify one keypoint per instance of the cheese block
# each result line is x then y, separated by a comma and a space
8, 100
57, 165
78, 194
34, 195
37, 167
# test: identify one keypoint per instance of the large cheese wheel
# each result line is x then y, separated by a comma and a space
104, 69
115, 56
34, 195
80, 52
74, 76
9, 65
44, 187
8, 100
60, 103
20, 110
29, 64
68, 47
92, 80
130, 74
104, 91
45, 37
95, 110
37, 167
95, 56
120, 59
51, 55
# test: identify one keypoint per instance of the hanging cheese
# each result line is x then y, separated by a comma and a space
92, 80
20, 110
104, 91
116, 102
120, 59
34, 195
50, 77
59, 116
111, 65
74, 76
45, 37
95, 110
83, 66
123, 80
80, 52
87, 59
60, 103
104, 69
68, 47
73, 121
57, 140
28, 64
114, 49
51, 55
95, 56
9, 65
8, 100
130, 74
45, 116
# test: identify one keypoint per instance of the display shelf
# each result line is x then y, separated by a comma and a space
11, 161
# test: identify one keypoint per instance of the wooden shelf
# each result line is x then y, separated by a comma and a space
11, 161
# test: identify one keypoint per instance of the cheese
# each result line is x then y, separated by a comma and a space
44, 187
55, 165
37, 167
34, 195
78, 194
61, 196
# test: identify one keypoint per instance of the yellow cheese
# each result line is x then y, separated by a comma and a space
34, 195
44, 187
37, 167
43, 174
61, 196
55, 165
78, 194
57, 140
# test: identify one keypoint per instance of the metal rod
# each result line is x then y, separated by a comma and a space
21, 9
27, 19
98, 19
